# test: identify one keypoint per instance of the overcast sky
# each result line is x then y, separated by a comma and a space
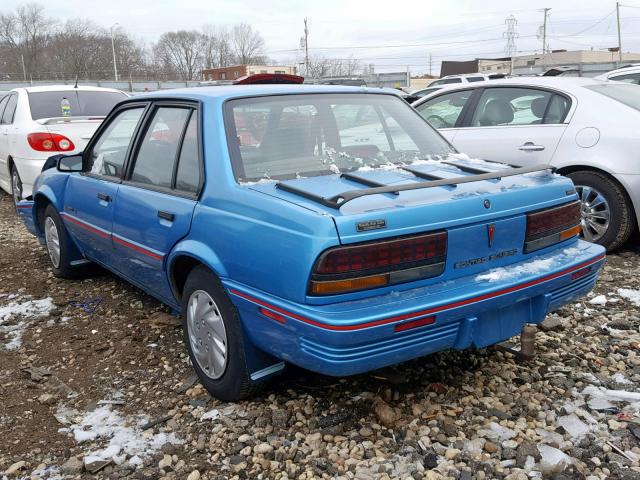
397, 34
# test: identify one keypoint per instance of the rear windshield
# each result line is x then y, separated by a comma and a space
293, 136
628, 94
70, 103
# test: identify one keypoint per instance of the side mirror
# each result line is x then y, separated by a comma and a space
70, 163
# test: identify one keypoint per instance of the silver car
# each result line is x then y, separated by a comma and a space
586, 128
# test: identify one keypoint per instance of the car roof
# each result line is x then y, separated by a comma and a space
567, 84
64, 88
224, 92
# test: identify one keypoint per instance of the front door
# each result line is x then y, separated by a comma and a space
90, 196
515, 125
155, 203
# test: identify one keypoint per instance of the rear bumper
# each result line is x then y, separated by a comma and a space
29, 169
357, 336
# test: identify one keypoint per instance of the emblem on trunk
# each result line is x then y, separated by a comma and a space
487, 203
371, 225
491, 230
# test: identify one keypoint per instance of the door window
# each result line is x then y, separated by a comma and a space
10, 110
157, 154
188, 174
510, 106
3, 103
109, 152
443, 111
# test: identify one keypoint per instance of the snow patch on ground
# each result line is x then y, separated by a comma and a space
598, 300
632, 295
18, 314
123, 437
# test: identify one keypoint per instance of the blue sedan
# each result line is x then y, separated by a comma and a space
329, 227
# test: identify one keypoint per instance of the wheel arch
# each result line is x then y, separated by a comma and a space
182, 261
566, 170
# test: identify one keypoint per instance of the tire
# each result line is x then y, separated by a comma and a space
229, 381
591, 185
16, 185
55, 232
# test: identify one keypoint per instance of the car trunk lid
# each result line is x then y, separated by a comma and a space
77, 129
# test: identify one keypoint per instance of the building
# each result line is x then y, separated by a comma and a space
588, 63
478, 65
237, 71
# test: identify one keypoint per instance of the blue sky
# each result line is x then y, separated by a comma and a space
396, 35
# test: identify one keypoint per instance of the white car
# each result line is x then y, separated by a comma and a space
452, 80
586, 128
630, 74
38, 122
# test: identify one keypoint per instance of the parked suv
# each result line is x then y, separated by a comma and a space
325, 226
37, 122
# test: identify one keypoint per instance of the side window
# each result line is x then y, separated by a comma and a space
510, 106
475, 79
109, 152
157, 153
443, 111
557, 110
627, 78
188, 175
10, 110
3, 103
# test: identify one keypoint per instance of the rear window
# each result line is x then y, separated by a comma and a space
292, 136
628, 94
72, 103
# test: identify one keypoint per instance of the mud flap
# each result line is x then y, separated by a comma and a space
260, 365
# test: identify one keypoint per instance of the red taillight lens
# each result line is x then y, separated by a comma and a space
50, 142
552, 225
376, 264
383, 254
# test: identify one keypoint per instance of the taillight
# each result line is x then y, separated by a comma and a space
50, 142
552, 225
380, 263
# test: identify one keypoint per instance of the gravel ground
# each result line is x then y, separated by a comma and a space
95, 382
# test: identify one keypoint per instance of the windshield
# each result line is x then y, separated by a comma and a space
293, 136
72, 103
628, 94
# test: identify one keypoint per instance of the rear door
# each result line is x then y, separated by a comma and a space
155, 203
516, 125
5, 182
90, 196
445, 112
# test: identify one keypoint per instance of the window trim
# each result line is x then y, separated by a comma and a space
3, 106
154, 106
103, 126
467, 120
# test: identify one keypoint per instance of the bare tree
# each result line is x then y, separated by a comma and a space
247, 44
24, 34
332, 67
182, 52
218, 51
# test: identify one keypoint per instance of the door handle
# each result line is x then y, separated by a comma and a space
166, 216
530, 147
104, 196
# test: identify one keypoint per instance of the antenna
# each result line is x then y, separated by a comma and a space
510, 36
76, 84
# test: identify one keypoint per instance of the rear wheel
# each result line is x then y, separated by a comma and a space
214, 337
606, 212
16, 185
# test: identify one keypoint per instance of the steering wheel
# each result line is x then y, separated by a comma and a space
438, 119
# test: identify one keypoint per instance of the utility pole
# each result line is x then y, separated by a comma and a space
306, 48
619, 34
430, 64
113, 50
24, 69
544, 31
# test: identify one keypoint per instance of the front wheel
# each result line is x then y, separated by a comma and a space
606, 212
57, 243
214, 337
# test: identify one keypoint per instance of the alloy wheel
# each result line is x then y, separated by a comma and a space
596, 214
207, 334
